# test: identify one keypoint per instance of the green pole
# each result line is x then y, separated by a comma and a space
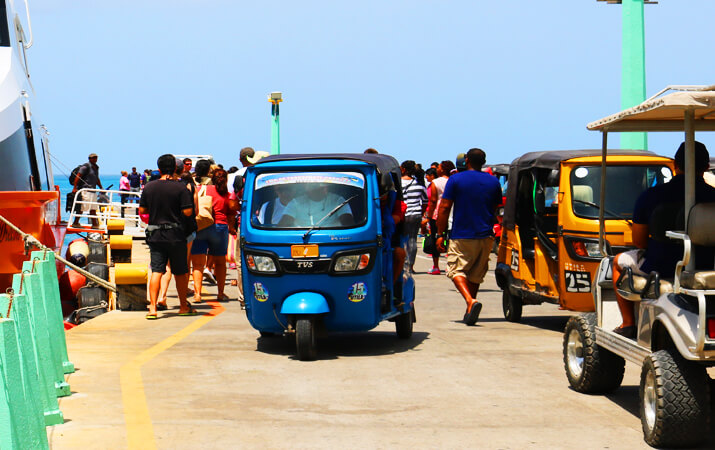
633, 67
275, 98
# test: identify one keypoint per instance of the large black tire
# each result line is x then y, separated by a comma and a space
674, 401
97, 252
305, 340
403, 324
512, 306
589, 368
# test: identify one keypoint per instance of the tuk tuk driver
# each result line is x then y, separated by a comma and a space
272, 211
657, 255
309, 209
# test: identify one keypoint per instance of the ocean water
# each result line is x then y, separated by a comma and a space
65, 188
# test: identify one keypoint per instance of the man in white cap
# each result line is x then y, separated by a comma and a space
88, 177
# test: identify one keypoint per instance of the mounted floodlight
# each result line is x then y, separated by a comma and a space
275, 97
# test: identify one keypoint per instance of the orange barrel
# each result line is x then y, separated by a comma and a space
77, 252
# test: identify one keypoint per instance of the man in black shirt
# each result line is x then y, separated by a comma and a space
166, 201
135, 182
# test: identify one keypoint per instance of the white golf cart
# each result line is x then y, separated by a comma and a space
675, 319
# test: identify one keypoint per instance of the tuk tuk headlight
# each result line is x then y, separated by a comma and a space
261, 263
352, 262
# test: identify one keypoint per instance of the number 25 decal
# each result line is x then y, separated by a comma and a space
578, 281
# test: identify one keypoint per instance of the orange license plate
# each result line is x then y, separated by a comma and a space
304, 251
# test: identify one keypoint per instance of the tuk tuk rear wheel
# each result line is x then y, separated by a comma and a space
674, 401
589, 367
403, 324
305, 340
511, 305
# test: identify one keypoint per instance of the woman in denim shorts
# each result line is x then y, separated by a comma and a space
213, 240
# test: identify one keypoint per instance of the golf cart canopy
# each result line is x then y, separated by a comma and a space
686, 109
665, 112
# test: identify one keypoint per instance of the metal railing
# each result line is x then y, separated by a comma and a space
107, 204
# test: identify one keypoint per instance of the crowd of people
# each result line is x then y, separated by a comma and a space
192, 212
190, 216
456, 205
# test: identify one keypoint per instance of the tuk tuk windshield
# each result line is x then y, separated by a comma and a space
320, 199
623, 186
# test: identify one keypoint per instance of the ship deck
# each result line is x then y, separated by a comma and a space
210, 381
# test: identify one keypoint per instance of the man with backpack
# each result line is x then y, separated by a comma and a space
86, 176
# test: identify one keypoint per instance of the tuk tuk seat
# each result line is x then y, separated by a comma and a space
636, 287
700, 233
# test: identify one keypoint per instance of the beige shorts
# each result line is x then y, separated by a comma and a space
469, 258
633, 259
89, 197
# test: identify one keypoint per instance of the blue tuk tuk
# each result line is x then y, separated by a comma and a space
317, 247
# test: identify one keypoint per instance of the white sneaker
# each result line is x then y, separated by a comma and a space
208, 276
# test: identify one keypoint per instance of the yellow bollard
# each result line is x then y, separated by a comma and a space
121, 248
131, 280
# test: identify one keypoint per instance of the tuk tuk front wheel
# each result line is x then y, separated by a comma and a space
404, 323
589, 367
674, 401
511, 305
305, 339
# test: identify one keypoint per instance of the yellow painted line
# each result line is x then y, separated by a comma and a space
140, 431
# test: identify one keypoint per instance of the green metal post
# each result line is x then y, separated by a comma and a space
275, 128
36, 343
633, 67
21, 423
46, 333
53, 305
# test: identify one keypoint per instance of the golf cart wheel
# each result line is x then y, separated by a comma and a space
511, 305
674, 401
305, 340
589, 368
403, 324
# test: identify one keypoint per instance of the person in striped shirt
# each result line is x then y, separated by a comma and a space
415, 197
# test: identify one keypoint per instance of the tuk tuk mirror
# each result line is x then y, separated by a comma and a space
553, 178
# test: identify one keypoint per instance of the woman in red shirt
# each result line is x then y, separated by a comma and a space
213, 240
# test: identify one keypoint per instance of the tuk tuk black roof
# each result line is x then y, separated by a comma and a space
501, 169
549, 159
384, 163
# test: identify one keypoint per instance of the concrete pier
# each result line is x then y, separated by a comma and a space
210, 381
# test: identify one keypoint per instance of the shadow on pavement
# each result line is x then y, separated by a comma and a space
341, 345
627, 398
551, 323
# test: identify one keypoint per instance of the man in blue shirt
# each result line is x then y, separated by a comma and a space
475, 196
652, 254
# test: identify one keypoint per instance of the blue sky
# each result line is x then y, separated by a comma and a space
420, 80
